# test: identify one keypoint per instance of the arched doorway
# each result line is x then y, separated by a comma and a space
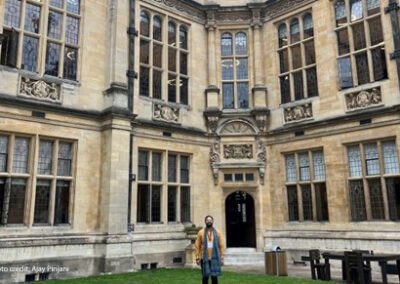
240, 220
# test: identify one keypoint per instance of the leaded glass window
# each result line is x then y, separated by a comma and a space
291, 168
144, 24
354, 157
143, 203
61, 213
185, 204
372, 159
308, 26
241, 44
307, 202
16, 201
319, 165
373, 6
293, 203
376, 199
184, 169
356, 9
157, 28
45, 157
226, 44
42, 201
357, 201
64, 163
143, 165
304, 168
393, 194
156, 166
172, 202
294, 31
21, 154
390, 159
282, 33
155, 203
172, 168
3, 153
340, 12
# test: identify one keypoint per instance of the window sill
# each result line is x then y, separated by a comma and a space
299, 102
363, 87
171, 104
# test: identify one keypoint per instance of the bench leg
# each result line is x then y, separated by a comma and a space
384, 271
398, 268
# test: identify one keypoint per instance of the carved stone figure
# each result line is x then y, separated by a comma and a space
214, 153
244, 151
363, 99
261, 153
40, 90
298, 112
165, 113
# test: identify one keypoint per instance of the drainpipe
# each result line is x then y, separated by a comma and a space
131, 76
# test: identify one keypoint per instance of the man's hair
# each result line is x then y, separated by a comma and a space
208, 216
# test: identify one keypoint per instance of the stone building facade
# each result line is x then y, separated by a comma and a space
123, 122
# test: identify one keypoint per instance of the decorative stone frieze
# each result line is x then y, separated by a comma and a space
363, 99
237, 127
195, 13
39, 89
239, 152
165, 113
299, 112
277, 8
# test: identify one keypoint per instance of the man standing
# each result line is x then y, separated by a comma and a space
209, 251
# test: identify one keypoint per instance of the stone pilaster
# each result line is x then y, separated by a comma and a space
393, 10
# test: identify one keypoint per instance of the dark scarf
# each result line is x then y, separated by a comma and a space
215, 269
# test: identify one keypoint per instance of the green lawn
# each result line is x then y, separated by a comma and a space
182, 276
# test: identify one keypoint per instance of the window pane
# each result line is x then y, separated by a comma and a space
345, 73
184, 169
285, 89
2, 203
157, 84
144, 81
375, 30
73, 6
42, 201
296, 57
72, 31
21, 154
184, 94
239, 177
390, 160
156, 166
155, 203
172, 170
309, 52
171, 88
249, 177
282, 34
227, 94
376, 199
144, 51
356, 9
29, 53
362, 68
393, 194
3, 153
32, 18
183, 63
157, 54
185, 204
312, 82
379, 63
183, 37
321, 198
52, 58
157, 28
143, 203
227, 69
144, 24
70, 63
172, 203
308, 26
373, 6
12, 13
172, 59
284, 60
293, 204
319, 165
16, 204
357, 201
9, 48
241, 44
372, 159
343, 41
294, 31
298, 85
359, 36
172, 33
242, 69
354, 156
143, 164
57, 3
45, 157
54, 25
228, 177
291, 175
64, 167
340, 12
304, 166
243, 95
226, 44
307, 202
61, 213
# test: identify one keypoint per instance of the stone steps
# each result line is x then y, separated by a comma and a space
243, 256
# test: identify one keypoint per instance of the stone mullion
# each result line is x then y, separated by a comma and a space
52, 197
44, 14
164, 188
313, 194
368, 47
34, 181
21, 34
365, 184
393, 10
383, 183
212, 79
299, 190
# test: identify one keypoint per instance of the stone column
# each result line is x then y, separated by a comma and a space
393, 10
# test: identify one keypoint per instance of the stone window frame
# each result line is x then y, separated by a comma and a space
44, 39
364, 178
166, 19
165, 184
234, 57
312, 184
348, 26
288, 47
32, 176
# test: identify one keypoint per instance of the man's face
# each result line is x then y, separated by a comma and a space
209, 222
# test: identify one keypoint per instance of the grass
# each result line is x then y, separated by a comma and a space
182, 276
